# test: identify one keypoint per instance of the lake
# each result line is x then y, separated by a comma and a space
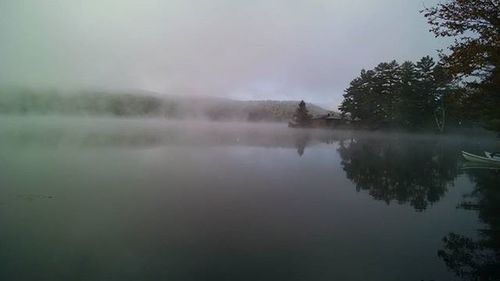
149, 199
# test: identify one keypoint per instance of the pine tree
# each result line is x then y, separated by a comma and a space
410, 95
408, 111
302, 116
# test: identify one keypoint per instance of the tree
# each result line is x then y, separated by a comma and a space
387, 81
358, 97
372, 97
410, 95
475, 25
302, 116
431, 87
408, 109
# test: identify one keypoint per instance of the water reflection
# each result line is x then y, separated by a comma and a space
477, 258
417, 172
302, 141
89, 133
280, 204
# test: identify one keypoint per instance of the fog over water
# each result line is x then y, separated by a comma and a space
240, 49
146, 140
127, 199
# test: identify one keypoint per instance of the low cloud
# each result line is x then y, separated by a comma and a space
240, 49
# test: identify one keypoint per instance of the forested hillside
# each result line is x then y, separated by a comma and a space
25, 101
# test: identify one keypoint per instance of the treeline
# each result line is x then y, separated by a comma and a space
463, 87
144, 104
412, 95
26, 101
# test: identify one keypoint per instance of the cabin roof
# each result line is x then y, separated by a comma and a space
329, 116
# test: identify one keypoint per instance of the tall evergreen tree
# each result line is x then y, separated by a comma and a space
359, 97
385, 89
410, 95
408, 110
302, 116
426, 87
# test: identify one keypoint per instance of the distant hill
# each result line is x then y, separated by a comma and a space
24, 101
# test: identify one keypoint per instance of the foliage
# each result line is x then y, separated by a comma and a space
302, 116
475, 25
410, 95
28, 101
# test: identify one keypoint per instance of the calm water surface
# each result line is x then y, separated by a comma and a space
110, 199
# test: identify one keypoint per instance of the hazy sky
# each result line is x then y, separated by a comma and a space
255, 49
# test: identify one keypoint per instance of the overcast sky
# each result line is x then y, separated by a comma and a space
258, 49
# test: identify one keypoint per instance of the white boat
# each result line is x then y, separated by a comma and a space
489, 158
494, 156
468, 165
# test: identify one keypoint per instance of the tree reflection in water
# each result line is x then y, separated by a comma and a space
478, 259
301, 142
417, 172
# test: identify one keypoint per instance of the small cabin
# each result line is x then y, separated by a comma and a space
330, 120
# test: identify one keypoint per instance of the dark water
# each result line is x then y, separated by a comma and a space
104, 199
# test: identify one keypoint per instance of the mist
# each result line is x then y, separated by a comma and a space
126, 198
266, 140
282, 50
